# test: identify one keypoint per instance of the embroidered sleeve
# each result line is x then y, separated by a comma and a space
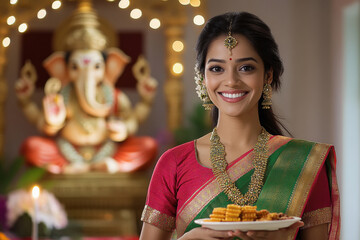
317, 217
161, 202
158, 219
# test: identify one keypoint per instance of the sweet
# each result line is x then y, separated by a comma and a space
236, 213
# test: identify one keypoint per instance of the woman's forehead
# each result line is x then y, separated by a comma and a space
243, 48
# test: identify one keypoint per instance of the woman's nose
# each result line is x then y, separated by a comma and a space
232, 78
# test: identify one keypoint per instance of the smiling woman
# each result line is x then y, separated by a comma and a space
245, 160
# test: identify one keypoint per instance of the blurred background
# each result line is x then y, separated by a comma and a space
318, 40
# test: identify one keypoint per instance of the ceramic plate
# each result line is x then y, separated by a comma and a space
246, 226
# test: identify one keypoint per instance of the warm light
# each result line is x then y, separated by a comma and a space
155, 23
199, 20
111, 0
56, 4
195, 3
35, 192
184, 2
124, 4
177, 46
178, 68
41, 13
13, 2
11, 20
22, 27
6, 42
135, 13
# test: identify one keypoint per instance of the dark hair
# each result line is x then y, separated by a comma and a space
259, 35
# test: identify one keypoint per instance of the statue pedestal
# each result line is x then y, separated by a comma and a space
102, 204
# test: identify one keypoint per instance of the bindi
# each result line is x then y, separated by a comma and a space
230, 59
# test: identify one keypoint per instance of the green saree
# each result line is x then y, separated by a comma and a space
292, 169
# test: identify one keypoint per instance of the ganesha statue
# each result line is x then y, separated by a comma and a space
90, 125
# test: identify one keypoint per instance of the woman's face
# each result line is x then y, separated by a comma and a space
234, 81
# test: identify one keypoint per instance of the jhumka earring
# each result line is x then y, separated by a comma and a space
201, 90
267, 92
230, 42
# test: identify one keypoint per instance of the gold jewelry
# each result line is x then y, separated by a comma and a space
71, 154
267, 92
201, 90
219, 164
230, 42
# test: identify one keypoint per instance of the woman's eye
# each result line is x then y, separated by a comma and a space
215, 69
247, 68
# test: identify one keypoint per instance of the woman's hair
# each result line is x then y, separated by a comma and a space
259, 35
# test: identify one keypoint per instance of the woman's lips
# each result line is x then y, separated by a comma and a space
233, 96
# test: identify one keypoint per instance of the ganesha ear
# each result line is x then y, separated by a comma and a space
115, 64
56, 66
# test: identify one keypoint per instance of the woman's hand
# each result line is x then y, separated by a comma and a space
280, 234
202, 233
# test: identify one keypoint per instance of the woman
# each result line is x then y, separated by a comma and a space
237, 66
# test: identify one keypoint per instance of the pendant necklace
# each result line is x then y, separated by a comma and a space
219, 164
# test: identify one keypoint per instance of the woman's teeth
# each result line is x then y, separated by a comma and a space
233, 95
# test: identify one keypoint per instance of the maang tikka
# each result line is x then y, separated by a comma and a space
230, 42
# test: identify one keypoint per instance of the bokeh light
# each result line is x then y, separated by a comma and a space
184, 2
22, 27
136, 13
195, 3
41, 13
124, 4
178, 46
6, 42
11, 20
155, 23
177, 68
199, 20
56, 4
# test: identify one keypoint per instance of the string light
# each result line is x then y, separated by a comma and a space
22, 27
6, 42
13, 2
155, 23
56, 4
135, 13
11, 20
41, 13
124, 4
178, 46
177, 68
199, 20
184, 2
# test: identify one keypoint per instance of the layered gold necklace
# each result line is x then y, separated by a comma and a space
219, 164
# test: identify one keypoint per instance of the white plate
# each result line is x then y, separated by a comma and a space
247, 226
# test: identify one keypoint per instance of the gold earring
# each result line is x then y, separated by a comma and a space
201, 90
267, 92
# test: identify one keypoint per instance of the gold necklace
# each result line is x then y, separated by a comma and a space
219, 164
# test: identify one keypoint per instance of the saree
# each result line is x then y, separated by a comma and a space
293, 168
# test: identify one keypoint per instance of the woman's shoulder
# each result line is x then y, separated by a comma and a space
179, 151
298, 140
305, 141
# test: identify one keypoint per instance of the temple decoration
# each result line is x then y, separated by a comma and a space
166, 14
94, 123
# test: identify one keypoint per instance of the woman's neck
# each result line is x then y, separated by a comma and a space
238, 132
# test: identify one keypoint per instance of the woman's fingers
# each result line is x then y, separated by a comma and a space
259, 235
